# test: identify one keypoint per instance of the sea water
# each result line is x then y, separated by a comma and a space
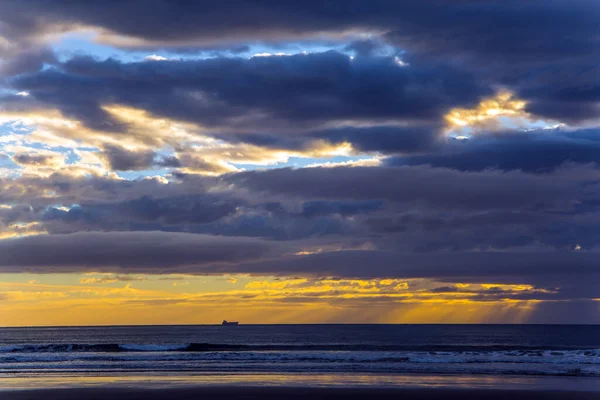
478, 350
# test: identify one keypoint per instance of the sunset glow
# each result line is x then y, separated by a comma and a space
384, 163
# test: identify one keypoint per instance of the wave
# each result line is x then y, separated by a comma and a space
530, 351
233, 358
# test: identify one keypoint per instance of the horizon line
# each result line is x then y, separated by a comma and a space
290, 324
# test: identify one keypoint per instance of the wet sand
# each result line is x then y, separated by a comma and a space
287, 393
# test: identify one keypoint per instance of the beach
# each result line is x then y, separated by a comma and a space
289, 393
300, 361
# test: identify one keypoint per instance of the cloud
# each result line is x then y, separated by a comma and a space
160, 252
173, 210
374, 91
550, 65
26, 60
408, 208
166, 253
435, 187
104, 279
120, 159
304, 89
533, 151
385, 139
553, 69
166, 23
539, 268
38, 159
316, 208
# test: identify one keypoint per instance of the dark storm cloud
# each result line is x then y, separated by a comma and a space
210, 214
538, 151
170, 211
168, 162
410, 208
282, 227
429, 209
164, 253
69, 190
546, 51
457, 216
567, 312
176, 21
433, 187
160, 252
120, 159
532, 32
17, 213
474, 267
285, 91
387, 139
522, 30
313, 209
26, 61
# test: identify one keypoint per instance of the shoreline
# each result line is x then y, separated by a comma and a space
290, 393
347, 381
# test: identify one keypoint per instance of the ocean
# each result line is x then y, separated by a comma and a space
523, 350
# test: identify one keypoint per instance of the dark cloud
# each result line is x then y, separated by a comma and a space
524, 32
552, 65
541, 268
38, 160
159, 252
168, 162
169, 211
121, 159
317, 208
575, 311
287, 92
27, 61
386, 139
433, 187
425, 222
409, 208
68, 190
17, 213
210, 214
281, 226
461, 27
365, 48
164, 253
229, 21
537, 151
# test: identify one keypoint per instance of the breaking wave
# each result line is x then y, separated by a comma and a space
528, 351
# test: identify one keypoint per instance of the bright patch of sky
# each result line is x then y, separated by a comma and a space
83, 44
301, 162
147, 173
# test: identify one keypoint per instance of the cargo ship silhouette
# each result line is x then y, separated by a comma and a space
227, 323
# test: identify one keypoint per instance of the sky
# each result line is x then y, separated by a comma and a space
177, 162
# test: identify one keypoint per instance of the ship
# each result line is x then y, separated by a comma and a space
227, 323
